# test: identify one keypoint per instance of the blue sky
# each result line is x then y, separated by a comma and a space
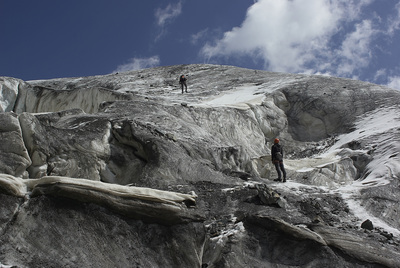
357, 39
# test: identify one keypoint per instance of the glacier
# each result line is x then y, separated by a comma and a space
124, 170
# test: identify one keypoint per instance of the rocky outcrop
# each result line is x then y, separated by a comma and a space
146, 204
123, 170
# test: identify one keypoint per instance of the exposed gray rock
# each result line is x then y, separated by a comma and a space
269, 197
98, 170
367, 225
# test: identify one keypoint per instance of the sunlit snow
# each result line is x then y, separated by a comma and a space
238, 98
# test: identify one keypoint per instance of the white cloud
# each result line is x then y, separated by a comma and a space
381, 73
163, 17
394, 82
138, 63
353, 9
355, 52
300, 36
167, 14
394, 22
198, 36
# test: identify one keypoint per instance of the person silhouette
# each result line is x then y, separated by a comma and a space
277, 160
182, 81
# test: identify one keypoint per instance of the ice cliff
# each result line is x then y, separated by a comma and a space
123, 170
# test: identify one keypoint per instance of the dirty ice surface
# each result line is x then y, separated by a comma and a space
376, 126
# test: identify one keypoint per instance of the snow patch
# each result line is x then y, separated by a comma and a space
238, 98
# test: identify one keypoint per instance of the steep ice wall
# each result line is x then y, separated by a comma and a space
14, 157
40, 99
9, 91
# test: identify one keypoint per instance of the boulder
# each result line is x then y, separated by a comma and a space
269, 197
367, 224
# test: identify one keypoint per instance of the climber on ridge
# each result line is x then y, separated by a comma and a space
277, 160
182, 81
